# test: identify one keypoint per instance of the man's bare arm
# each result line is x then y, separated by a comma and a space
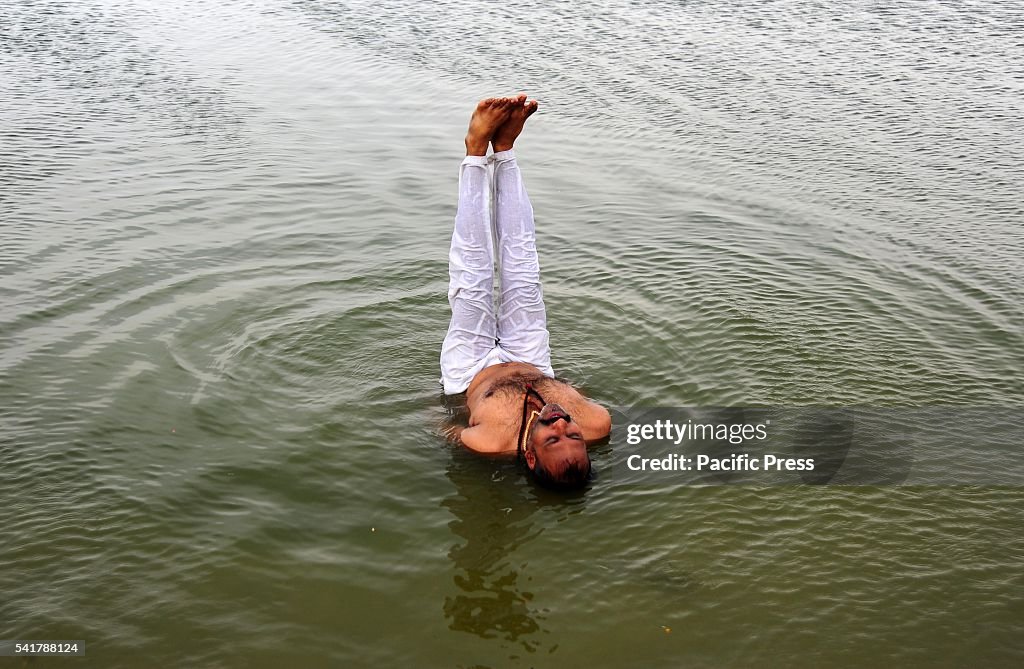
479, 439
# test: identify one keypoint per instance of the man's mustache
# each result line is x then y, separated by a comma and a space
555, 415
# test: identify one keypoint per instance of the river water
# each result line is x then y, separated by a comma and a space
224, 241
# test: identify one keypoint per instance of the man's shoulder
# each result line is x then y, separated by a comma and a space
484, 438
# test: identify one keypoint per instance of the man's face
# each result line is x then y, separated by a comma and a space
555, 439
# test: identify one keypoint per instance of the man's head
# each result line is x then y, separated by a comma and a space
555, 450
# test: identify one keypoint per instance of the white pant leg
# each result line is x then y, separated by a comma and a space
522, 319
470, 343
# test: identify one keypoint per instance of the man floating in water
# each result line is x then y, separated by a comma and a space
502, 360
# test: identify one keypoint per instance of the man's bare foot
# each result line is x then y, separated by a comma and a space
489, 114
506, 134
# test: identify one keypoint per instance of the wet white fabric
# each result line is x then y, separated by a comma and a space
492, 198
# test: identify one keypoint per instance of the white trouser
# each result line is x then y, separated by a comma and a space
476, 337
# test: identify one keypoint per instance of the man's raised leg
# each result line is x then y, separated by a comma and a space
522, 319
472, 331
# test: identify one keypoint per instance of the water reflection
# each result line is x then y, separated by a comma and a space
495, 514
493, 517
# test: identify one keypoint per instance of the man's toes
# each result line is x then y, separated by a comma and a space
531, 107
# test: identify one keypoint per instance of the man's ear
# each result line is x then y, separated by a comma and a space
531, 458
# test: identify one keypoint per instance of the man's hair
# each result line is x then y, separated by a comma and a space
575, 474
